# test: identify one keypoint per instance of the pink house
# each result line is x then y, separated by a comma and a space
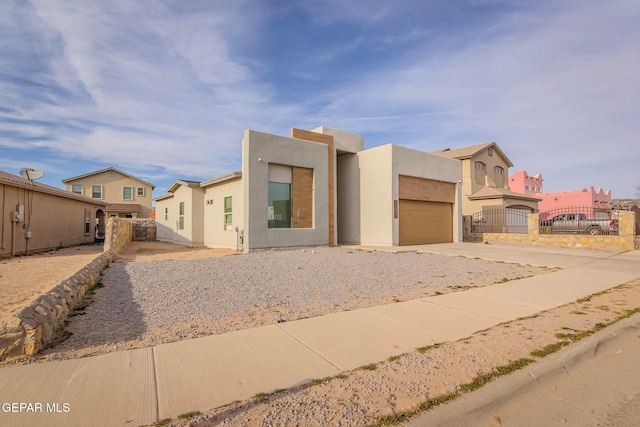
594, 204
522, 183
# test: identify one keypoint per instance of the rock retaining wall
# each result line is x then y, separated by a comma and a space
42, 321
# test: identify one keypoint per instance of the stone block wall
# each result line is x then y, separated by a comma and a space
118, 234
35, 326
144, 229
624, 241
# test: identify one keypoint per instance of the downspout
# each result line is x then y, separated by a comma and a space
29, 206
4, 190
13, 233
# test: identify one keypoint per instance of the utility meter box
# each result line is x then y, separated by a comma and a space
20, 213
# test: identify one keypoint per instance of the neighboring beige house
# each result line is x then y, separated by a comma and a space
485, 184
202, 213
126, 195
315, 188
37, 217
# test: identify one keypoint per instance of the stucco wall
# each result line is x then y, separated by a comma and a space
215, 234
343, 141
519, 181
376, 195
165, 227
52, 220
348, 199
578, 198
415, 163
379, 170
258, 150
193, 232
490, 178
473, 206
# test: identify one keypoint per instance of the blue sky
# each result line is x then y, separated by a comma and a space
163, 89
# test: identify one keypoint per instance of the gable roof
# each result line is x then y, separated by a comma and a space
468, 152
65, 181
222, 178
182, 183
193, 184
18, 181
163, 197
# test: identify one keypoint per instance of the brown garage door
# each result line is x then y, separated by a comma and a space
425, 222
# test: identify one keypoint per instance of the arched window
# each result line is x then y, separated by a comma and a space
498, 176
481, 169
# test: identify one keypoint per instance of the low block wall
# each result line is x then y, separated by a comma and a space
35, 326
144, 230
624, 241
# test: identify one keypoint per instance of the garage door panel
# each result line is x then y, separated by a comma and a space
426, 190
425, 222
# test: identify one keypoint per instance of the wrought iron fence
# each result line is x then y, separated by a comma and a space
579, 220
500, 220
567, 220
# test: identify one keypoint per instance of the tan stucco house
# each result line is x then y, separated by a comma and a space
38, 217
126, 195
314, 188
485, 184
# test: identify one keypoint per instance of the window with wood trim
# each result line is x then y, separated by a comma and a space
301, 197
290, 197
279, 197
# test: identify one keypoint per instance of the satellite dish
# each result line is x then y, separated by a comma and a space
31, 174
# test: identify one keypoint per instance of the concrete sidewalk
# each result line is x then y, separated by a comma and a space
143, 386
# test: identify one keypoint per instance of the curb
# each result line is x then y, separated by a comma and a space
471, 408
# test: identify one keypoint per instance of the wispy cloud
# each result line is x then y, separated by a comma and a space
553, 86
164, 88
151, 82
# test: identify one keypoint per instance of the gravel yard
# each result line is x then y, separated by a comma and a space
151, 302
151, 296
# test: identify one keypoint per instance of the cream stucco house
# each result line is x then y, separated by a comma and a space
126, 196
485, 184
318, 187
